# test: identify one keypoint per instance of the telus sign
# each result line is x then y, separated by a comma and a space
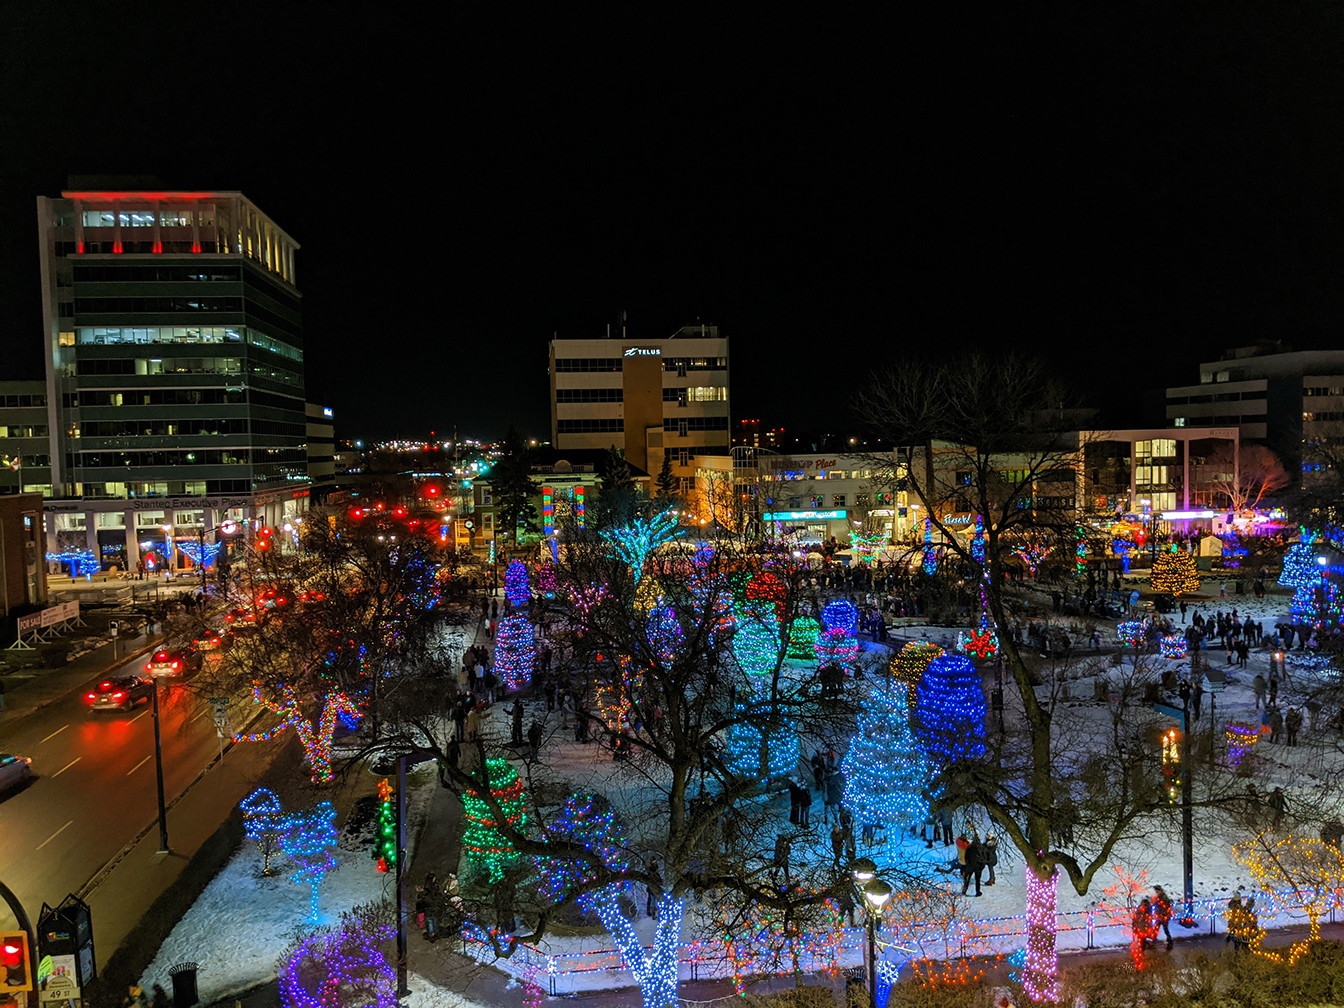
640, 351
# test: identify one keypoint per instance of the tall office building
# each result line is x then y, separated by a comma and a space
646, 397
175, 381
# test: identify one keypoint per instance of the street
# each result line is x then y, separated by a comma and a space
93, 789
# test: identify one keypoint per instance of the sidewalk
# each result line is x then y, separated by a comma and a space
34, 687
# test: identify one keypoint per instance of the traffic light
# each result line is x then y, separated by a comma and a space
264, 538
14, 972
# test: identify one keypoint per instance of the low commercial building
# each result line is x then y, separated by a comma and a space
23, 569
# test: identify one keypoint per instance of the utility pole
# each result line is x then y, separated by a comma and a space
158, 772
402, 989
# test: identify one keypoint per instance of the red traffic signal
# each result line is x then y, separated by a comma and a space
14, 962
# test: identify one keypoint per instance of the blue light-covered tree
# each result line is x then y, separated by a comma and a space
589, 820
666, 637
307, 839
633, 542
262, 816
841, 615
515, 651
517, 584
758, 748
756, 642
1300, 568
950, 711
885, 771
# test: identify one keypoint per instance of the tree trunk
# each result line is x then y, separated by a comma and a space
656, 972
1040, 975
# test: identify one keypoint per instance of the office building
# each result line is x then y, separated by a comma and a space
648, 398
321, 432
175, 381
25, 438
1287, 400
23, 570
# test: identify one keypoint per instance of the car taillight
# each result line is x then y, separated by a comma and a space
148, 666
177, 664
105, 685
118, 695
91, 697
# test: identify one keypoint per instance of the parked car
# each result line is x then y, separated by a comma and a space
14, 770
122, 693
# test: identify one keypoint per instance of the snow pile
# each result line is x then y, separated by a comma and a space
425, 995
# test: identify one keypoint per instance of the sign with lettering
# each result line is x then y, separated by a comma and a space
804, 515
643, 351
49, 616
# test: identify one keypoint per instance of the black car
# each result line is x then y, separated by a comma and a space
122, 693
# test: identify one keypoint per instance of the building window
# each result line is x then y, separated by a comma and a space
838, 500
569, 364
683, 456
682, 426
587, 395
1180, 421
861, 500
590, 426
817, 501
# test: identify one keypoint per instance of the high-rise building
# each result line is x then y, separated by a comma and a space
646, 397
175, 378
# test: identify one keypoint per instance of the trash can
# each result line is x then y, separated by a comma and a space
184, 984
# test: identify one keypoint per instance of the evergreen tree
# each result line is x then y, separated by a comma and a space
512, 488
618, 497
666, 484
884, 768
950, 711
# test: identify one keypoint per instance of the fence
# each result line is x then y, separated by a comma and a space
603, 969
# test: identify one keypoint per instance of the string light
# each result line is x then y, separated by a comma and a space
865, 545
351, 970
1313, 872
803, 635
546, 580
590, 821
1300, 568
837, 647
515, 651
841, 615
1130, 632
982, 643
1241, 738
930, 562
1173, 646
517, 585
756, 642
385, 844
1080, 551
884, 766
484, 843
766, 586
192, 550
1040, 972
978, 540
910, 662
656, 971
261, 823
950, 711
82, 562
1032, 553
307, 838
315, 738
635, 541
1174, 574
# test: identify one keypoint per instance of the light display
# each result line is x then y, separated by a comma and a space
349, 969
580, 510
982, 642
483, 842
546, 580
1080, 551
909, 663
656, 970
978, 540
1173, 646
315, 738
262, 823
884, 766
841, 615
930, 562
766, 941
950, 711
1032, 553
590, 821
191, 549
306, 838
515, 651
1299, 563
666, 637
1175, 573
866, 545
547, 511
803, 637
837, 647
517, 585
82, 562
1241, 738
756, 643
1318, 606
760, 751
1119, 901
1130, 632
1309, 868
634, 542
385, 841
1040, 972
766, 586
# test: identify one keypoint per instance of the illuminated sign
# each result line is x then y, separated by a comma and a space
643, 351
803, 515
965, 518
326, 411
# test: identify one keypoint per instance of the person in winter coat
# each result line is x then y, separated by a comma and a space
1258, 686
973, 865
1293, 724
1275, 724
1162, 913
991, 853
835, 790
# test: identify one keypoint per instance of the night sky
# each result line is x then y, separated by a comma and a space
1127, 190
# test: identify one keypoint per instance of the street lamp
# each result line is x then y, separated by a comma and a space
875, 895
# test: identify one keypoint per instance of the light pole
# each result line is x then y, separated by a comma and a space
875, 894
158, 772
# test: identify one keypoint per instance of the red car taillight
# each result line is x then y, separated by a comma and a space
91, 697
118, 695
177, 664
148, 666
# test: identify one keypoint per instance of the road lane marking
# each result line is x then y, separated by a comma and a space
139, 716
56, 834
67, 766
55, 733
203, 713
139, 765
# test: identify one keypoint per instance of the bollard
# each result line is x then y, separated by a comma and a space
184, 984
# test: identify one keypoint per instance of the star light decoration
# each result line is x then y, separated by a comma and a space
884, 767
950, 711
634, 541
348, 966
1040, 971
385, 842
306, 838
482, 840
316, 737
981, 643
262, 823
517, 585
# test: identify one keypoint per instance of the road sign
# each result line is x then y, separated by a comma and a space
113, 627
60, 987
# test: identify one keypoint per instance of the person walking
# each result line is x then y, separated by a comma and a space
1275, 724
835, 790
837, 844
1278, 803
534, 738
1162, 913
1313, 712
972, 867
1293, 724
1273, 691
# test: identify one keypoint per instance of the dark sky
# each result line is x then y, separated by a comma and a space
1126, 190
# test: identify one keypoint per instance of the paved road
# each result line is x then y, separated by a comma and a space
94, 789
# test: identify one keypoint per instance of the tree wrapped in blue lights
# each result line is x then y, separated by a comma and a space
588, 820
81, 562
759, 745
756, 643
262, 823
841, 615
515, 651
201, 555
307, 839
633, 542
885, 771
978, 540
1318, 606
950, 711
930, 562
1300, 568
665, 635
517, 585
803, 635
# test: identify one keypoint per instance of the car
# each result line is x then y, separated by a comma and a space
166, 662
121, 693
275, 598
240, 619
212, 640
14, 770
312, 597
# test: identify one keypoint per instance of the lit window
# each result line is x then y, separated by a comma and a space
175, 218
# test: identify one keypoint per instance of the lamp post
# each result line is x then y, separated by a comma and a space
875, 894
